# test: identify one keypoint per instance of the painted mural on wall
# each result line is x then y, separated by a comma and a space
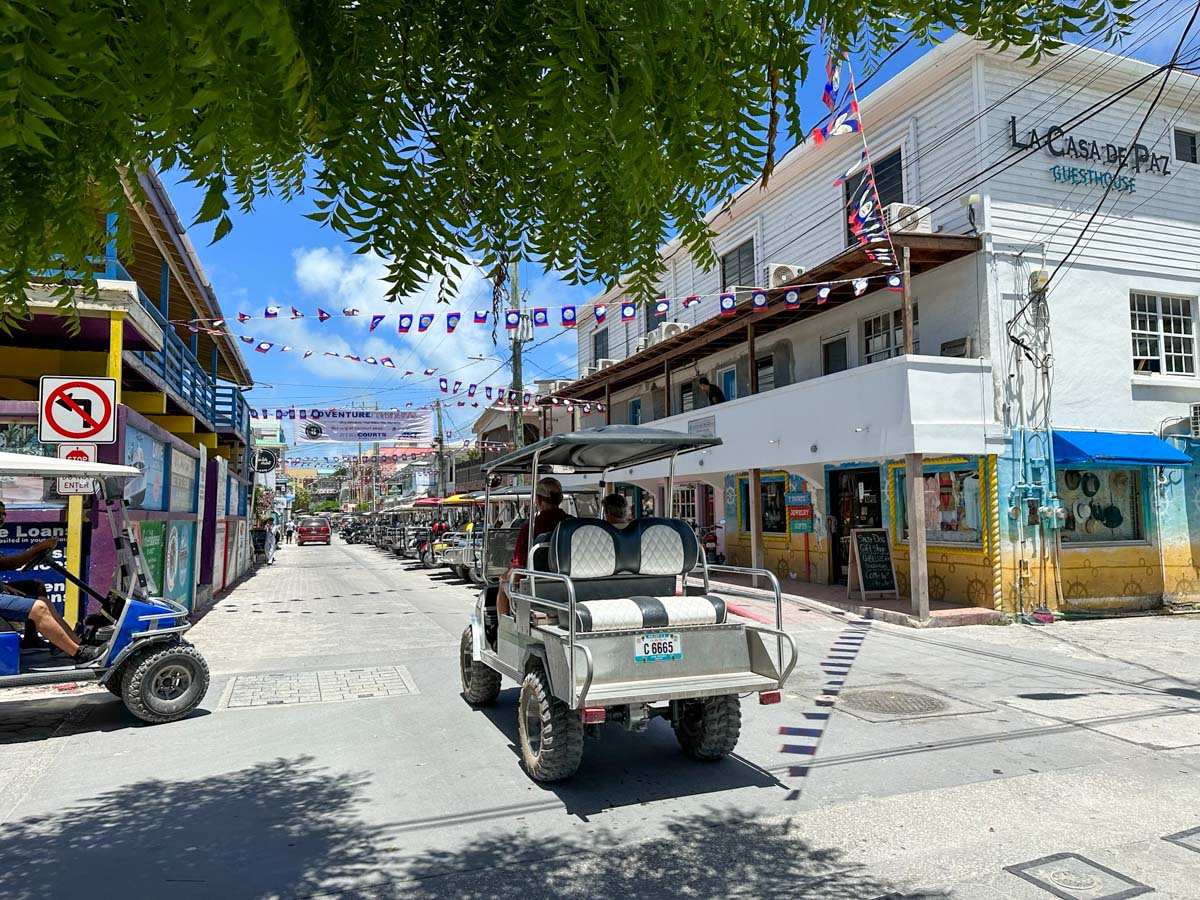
15, 538
178, 562
148, 456
785, 550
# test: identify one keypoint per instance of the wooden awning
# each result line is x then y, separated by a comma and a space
927, 252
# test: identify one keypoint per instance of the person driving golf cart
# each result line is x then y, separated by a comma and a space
549, 514
25, 601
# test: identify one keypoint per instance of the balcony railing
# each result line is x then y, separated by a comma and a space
232, 410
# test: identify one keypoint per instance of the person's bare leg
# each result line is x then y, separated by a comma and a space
502, 606
53, 627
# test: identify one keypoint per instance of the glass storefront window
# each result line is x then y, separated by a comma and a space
953, 506
1103, 505
772, 505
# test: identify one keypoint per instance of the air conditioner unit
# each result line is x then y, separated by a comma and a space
605, 363
589, 371
780, 274
1196, 420
671, 329
906, 217
646, 341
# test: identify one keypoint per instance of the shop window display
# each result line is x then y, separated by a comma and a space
1102, 505
953, 506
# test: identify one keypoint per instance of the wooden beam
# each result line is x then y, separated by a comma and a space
19, 362
906, 316
16, 389
177, 425
204, 438
148, 403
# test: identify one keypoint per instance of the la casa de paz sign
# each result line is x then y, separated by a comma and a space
1057, 142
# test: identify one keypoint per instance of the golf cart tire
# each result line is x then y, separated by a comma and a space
709, 729
480, 683
560, 745
427, 559
138, 683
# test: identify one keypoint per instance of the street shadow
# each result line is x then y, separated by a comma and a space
716, 853
94, 712
283, 828
622, 768
1052, 695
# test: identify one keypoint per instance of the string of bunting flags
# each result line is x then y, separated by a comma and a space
502, 395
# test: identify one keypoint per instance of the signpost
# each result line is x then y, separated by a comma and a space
77, 409
871, 568
265, 461
71, 484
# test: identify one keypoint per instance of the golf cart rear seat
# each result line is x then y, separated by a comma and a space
625, 578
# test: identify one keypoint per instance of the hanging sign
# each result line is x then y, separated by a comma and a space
871, 568
77, 409
365, 425
73, 484
265, 461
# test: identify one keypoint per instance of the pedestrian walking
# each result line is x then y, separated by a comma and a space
289, 531
270, 544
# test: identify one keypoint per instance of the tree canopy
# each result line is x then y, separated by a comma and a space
582, 133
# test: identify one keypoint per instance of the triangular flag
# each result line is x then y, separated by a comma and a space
242, 317
386, 361
853, 170
296, 314
322, 315
375, 320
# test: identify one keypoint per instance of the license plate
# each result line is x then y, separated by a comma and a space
657, 647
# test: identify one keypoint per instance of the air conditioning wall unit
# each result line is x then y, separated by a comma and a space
780, 274
648, 340
605, 363
589, 371
906, 217
672, 329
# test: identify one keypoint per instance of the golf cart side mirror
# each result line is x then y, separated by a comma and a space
494, 480
113, 487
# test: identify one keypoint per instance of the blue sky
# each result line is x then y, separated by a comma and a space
276, 256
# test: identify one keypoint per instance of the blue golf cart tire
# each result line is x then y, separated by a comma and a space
144, 682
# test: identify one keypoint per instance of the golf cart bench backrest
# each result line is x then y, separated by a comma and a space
626, 577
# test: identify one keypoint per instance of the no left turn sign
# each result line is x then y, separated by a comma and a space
77, 409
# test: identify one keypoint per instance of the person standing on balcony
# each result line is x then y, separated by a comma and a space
714, 394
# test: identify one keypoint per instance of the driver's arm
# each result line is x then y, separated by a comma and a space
11, 561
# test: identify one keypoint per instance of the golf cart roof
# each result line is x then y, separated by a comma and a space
522, 491
598, 449
47, 466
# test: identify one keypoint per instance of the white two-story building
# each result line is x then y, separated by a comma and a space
1036, 419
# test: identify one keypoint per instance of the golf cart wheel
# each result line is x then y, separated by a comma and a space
164, 684
551, 733
427, 559
481, 685
709, 729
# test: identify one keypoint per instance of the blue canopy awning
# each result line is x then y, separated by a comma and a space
1111, 448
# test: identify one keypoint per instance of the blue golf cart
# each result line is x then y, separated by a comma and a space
144, 659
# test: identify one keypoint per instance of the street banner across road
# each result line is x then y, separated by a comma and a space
318, 426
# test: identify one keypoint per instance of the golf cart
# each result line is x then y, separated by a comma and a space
600, 631
145, 660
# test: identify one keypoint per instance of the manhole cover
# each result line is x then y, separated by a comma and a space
1070, 876
329, 686
891, 703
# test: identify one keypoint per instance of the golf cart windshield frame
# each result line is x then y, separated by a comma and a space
599, 449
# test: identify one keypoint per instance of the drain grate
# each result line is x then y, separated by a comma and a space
1072, 877
329, 686
891, 703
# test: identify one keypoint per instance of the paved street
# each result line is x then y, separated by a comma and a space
334, 757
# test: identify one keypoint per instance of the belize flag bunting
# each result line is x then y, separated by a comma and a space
895, 283
487, 392
758, 301
844, 121
480, 317
375, 320
601, 312
424, 321
693, 300
296, 314
823, 293
242, 317
322, 316
471, 389
246, 339
271, 312
452, 322
263, 346
728, 304
833, 83
662, 306
860, 286
526, 398
443, 385
307, 354
512, 319
370, 360
405, 323
217, 323
791, 298
457, 386
285, 348
349, 311
427, 372
386, 362
541, 317
628, 312
853, 170
351, 356
568, 317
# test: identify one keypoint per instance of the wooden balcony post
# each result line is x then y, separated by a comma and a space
667, 388
753, 380
906, 301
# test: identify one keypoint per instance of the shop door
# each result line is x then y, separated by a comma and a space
854, 502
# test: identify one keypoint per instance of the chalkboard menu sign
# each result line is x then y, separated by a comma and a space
871, 567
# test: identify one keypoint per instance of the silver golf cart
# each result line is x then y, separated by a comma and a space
605, 626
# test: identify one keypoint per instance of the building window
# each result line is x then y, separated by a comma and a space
727, 381
1103, 505
835, 355
684, 506
1185, 145
889, 182
652, 321
687, 401
737, 267
953, 506
599, 346
883, 335
764, 366
635, 412
1162, 331
772, 508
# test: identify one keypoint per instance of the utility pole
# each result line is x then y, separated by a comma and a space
518, 411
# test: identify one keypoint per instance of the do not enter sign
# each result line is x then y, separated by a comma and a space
77, 409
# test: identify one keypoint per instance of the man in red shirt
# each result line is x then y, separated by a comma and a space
549, 514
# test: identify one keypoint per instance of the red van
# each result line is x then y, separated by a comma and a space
313, 530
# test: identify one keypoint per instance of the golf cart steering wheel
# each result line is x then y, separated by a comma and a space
39, 559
